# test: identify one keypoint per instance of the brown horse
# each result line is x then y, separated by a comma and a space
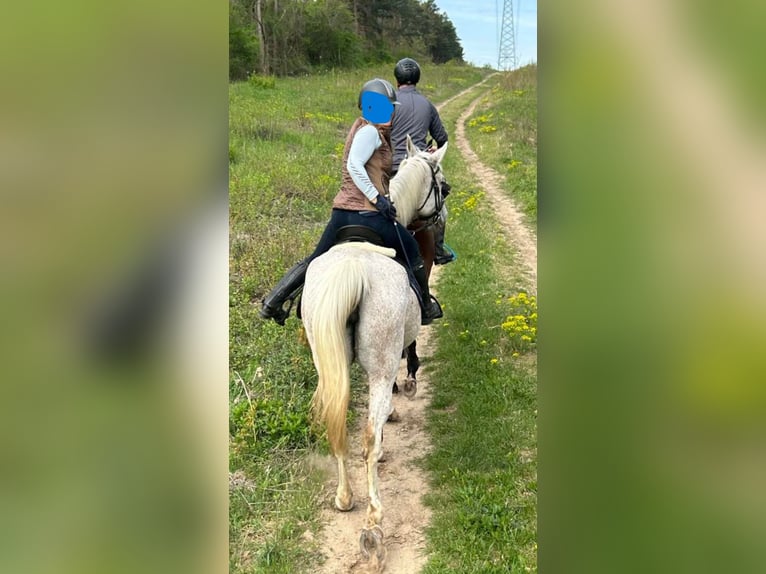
423, 230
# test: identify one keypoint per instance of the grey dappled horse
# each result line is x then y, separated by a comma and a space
358, 305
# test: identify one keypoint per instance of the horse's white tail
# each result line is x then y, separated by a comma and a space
337, 293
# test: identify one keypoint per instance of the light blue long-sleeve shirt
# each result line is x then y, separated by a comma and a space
366, 141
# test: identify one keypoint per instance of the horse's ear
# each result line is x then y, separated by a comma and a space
412, 150
439, 153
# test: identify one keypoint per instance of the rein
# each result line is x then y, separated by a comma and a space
430, 220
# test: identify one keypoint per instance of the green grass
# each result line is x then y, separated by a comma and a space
285, 146
503, 133
483, 421
272, 520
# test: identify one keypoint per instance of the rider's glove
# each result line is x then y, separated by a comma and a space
386, 208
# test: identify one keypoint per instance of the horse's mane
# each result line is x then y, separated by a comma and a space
414, 174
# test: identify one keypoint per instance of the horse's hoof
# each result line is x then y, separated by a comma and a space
394, 417
344, 506
410, 387
371, 545
395, 388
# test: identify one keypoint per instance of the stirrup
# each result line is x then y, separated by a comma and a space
448, 255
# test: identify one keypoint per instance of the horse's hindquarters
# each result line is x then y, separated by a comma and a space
346, 279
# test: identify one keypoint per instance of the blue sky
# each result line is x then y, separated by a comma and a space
477, 26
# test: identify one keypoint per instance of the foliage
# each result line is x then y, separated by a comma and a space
258, 425
335, 33
442, 41
329, 39
243, 44
265, 82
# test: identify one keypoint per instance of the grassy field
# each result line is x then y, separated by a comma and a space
503, 133
284, 150
483, 420
285, 142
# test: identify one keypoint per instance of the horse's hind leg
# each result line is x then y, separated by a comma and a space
371, 539
344, 497
413, 364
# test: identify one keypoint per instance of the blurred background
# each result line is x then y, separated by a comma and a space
113, 291
652, 370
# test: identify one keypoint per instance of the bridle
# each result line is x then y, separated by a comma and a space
436, 190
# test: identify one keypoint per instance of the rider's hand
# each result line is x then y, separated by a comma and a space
386, 207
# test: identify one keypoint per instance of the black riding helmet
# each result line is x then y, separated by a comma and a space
407, 71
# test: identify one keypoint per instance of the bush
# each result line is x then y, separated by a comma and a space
262, 82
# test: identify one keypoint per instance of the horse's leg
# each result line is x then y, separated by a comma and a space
344, 497
413, 364
371, 539
425, 239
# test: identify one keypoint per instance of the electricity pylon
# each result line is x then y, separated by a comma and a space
506, 58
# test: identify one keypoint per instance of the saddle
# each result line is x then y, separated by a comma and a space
350, 233
358, 233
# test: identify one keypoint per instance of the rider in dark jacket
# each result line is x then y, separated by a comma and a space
418, 117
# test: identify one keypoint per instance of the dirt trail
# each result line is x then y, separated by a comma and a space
448, 101
516, 231
402, 483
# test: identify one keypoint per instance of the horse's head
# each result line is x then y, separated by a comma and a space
417, 187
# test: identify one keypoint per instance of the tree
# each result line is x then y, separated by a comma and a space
243, 45
292, 36
439, 34
329, 38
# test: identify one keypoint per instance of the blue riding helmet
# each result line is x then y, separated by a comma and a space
377, 99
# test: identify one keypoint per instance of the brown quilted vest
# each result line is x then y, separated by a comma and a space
378, 168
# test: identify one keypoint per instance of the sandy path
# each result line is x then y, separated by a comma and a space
402, 483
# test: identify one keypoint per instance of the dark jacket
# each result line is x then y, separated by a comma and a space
415, 116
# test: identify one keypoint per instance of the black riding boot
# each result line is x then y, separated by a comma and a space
288, 288
431, 309
442, 253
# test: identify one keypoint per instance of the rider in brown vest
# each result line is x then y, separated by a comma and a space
362, 200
